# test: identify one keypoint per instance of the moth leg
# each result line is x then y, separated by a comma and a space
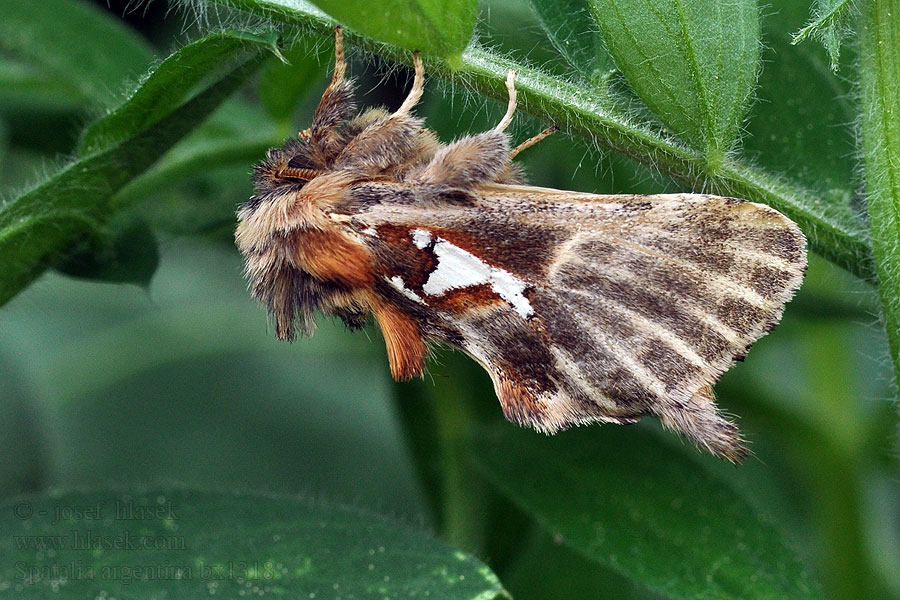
415, 92
340, 63
405, 347
512, 174
477, 159
511, 105
389, 141
473, 160
533, 140
336, 104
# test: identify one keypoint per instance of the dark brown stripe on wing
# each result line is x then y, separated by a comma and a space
651, 301
517, 348
599, 364
398, 256
524, 250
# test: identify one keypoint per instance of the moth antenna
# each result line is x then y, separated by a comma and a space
533, 140
511, 107
415, 92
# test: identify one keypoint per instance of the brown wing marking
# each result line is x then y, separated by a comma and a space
403, 338
519, 403
329, 256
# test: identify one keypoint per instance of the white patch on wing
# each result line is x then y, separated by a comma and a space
370, 231
421, 238
510, 288
457, 268
398, 284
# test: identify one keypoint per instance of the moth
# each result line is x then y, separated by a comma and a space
581, 307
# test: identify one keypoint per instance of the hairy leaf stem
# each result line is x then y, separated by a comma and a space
833, 230
879, 65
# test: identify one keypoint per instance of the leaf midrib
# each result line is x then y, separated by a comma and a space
691, 56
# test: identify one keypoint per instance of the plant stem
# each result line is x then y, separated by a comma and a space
461, 502
437, 417
879, 32
833, 231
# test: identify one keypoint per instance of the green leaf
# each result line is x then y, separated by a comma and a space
832, 230
176, 543
573, 32
190, 68
829, 25
435, 27
283, 85
798, 125
98, 54
19, 80
4, 143
693, 63
196, 186
42, 112
128, 255
879, 52
542, 555
46, 220
625, 499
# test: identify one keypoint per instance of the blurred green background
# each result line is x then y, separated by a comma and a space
179, 377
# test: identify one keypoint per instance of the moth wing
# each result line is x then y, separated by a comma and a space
636, 304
